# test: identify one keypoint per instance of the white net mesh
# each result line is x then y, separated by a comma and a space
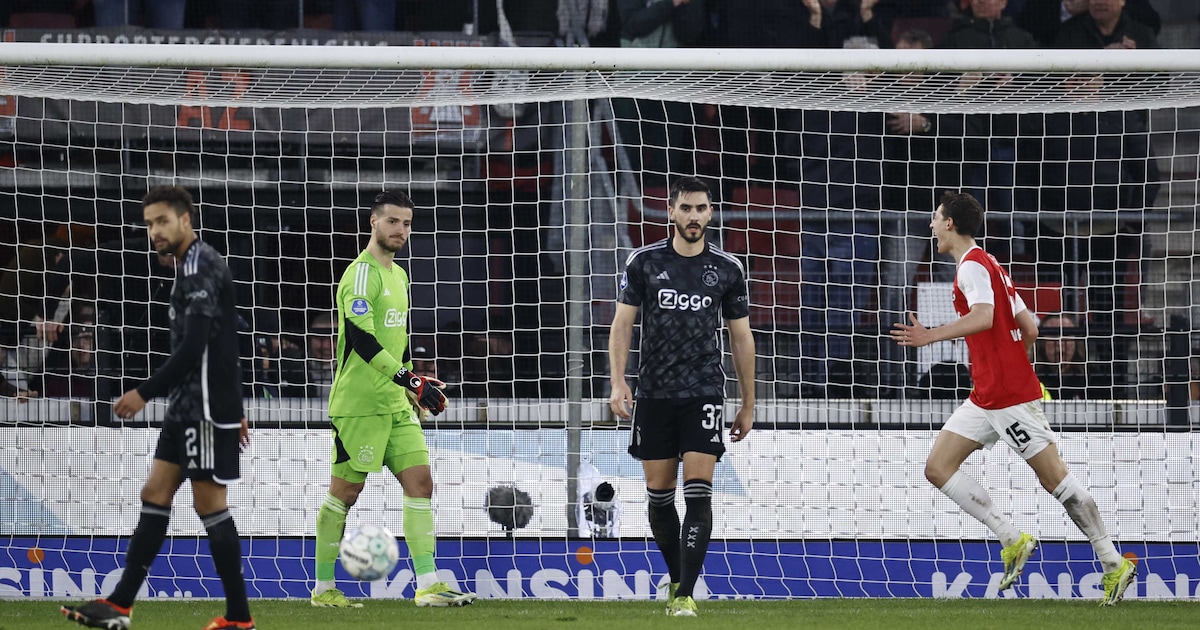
529, 200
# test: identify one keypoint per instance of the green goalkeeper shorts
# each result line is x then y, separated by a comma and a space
365, 444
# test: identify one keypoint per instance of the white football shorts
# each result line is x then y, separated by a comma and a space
1023, 427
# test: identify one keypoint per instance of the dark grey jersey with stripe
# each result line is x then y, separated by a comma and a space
681, 302
212, 388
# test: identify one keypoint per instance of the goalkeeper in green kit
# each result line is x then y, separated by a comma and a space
375, 407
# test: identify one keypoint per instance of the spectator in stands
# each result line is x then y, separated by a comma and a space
364, 15
1105, 25
71, 373
985, 144
32, 285
902, 15
322, 338
659, 134
984, 26
914, 39
160, 14
9, 388
272, 15
11, 391
660, 23
832, 22
1061, 362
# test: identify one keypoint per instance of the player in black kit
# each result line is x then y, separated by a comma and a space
205, 427
683, 287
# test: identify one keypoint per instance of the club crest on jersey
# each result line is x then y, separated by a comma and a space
366, 454
710, 277
360, 307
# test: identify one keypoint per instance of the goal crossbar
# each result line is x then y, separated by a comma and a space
389, 76
595, 59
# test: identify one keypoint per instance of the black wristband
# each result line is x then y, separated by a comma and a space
407, 379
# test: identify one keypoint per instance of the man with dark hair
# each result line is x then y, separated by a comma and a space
1105, 24
984, 27
31, 285
204, 428
684, 287
373, 424
1061, 363
1006, 403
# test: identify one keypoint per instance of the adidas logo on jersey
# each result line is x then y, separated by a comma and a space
386, 292
663, 276
715, 439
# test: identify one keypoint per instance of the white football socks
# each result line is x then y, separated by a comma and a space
974, 500
1082, 509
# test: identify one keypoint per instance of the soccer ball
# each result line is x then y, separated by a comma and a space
369, 553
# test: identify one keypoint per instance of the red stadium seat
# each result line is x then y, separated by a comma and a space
1043, 298
323, 21
771, 243
775, 300
774, 233
41, 20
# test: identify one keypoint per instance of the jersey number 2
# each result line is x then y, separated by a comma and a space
190, 442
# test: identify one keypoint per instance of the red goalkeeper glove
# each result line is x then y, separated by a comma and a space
427, 391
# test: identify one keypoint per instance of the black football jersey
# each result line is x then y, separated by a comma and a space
682, 301
212, 389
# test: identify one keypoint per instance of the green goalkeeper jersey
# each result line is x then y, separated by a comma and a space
372, 303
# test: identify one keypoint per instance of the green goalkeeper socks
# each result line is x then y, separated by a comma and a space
331, 526
418, 534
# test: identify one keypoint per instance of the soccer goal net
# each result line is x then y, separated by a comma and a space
536, 172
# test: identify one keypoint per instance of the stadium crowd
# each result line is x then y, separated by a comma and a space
1053, 164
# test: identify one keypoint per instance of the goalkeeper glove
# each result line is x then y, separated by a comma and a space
422, 415
427, 391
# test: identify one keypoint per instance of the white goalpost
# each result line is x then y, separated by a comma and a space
536, 171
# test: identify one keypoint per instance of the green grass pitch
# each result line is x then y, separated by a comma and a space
834, 614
